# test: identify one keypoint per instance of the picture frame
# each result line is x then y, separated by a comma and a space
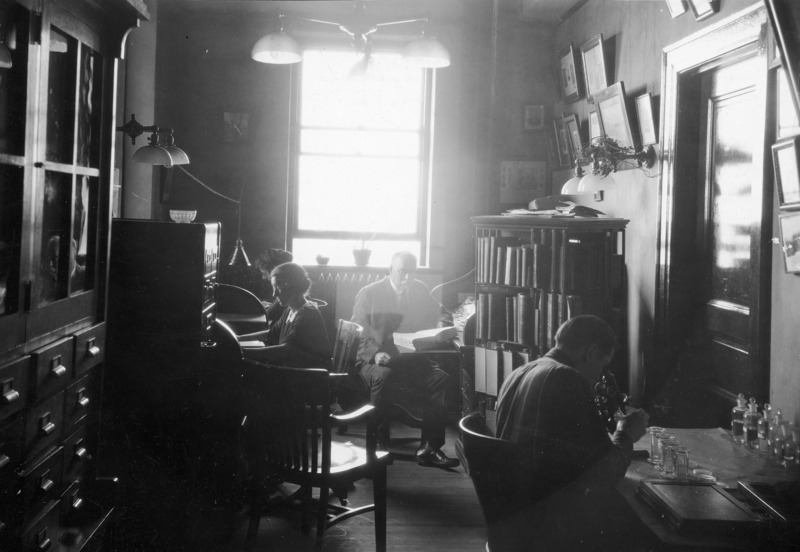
787, 122
613, 111
595, 125
564, 152
786, 163
533, 117
236, 127
790, 241
703, 9
648, 130
594, 66
676, 7
573, 128
569, 84
552, 149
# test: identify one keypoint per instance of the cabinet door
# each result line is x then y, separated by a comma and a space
70, 184
16, 166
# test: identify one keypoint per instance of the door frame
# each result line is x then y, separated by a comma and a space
736, 36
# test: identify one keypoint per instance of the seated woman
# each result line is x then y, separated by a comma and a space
298, 337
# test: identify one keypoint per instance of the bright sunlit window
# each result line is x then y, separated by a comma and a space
362, 158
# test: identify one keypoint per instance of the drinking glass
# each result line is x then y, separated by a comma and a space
664, 438
655, 457
681, 455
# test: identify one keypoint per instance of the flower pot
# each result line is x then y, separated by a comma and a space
361, 256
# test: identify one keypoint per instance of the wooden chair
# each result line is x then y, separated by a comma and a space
501, 483
288, 429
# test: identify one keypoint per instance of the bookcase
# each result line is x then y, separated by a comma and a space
533, 273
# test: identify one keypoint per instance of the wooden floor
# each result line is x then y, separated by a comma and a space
428, 509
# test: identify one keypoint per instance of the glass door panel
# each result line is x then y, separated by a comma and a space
84, 235
56, 249
11, 195
14, 79
90, 86
61, 97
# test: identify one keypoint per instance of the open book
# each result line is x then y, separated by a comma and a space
423, 340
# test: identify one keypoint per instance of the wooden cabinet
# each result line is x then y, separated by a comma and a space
532, 274
57, 137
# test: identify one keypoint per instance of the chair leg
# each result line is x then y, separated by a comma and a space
322, 515
379, 496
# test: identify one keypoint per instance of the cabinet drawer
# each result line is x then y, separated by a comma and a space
52, 366
78, 400
90, 348
76, 456
44, 425
42, 482
10, 452
44, 532
13, 386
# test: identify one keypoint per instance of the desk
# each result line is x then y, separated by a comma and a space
711, 449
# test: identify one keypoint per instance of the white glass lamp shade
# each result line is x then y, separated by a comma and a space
571, 185
178, 156
277, 48
427, 52
153, 155
5, 57
595, 183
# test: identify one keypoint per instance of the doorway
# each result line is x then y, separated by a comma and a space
713, 273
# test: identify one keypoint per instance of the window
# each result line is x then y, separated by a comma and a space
362, 158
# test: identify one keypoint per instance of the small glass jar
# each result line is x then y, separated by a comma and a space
681, 459
655, 457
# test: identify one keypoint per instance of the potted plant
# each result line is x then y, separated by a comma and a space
361, 254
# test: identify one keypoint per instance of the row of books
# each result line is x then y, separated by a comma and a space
507, 261
528, 318
493, 366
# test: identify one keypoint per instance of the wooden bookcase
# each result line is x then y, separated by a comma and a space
532, 274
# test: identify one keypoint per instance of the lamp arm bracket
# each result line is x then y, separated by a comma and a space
134, 129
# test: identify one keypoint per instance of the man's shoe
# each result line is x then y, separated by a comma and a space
427, 456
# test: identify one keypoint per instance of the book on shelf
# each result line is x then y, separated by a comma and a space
425, 340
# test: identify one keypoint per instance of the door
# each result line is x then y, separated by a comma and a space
714, 265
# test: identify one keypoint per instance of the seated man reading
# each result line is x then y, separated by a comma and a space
297, 337
547, 407
401, 303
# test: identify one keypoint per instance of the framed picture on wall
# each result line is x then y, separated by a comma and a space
610, 103
647, 123
786, 161
790, 241
703, 9
594, 66
595, 125
573, 129
786, 116
564, 153
533, 117
568, 74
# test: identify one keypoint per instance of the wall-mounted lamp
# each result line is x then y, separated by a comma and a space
605, 156
154, 153
426, 51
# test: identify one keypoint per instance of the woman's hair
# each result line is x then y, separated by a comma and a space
292, 276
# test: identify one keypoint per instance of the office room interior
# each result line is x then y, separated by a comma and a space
706, 305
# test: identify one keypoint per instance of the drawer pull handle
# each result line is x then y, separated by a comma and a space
4, 460
10, 396
58, 371
80, 453
46, 484
77, 502
47, 427
92, 350
82, 400
44, 544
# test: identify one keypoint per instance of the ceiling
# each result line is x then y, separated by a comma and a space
538, 11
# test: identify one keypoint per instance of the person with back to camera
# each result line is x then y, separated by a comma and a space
298, 337
399, 302
547, 408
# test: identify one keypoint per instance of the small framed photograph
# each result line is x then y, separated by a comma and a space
790, 241
595, 125
235, 127
594, 66
533, 117
573, 129
786, 161
564, 150
703, 9
647, 123
613, 111
676, 7
568, 74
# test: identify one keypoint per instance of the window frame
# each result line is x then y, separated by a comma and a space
424, 207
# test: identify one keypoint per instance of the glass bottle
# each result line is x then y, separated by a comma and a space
774, 430
737, 419
751, 418
763, 431
790, 447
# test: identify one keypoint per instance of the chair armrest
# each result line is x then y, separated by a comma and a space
364, 413
253, 336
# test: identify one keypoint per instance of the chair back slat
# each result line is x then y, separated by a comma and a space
345, 348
